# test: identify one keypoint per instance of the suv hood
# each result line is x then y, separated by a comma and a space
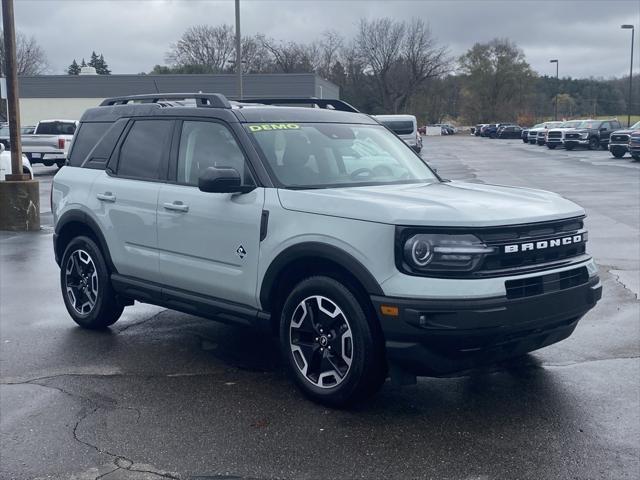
435, 204
625, 131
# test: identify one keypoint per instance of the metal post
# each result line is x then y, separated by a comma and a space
630, 82
238, 51
557, 88
12, 91
555, 60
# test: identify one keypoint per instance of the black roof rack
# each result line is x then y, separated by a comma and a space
319, 102
210, 100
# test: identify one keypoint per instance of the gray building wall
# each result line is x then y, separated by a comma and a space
68, 96
102, 86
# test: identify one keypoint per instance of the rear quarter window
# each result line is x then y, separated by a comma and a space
86, 138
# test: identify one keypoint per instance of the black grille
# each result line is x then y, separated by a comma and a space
553, 282
619, 137
555, 135
572, 135
500, 263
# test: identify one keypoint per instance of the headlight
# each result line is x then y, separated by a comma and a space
584, 135
428, 252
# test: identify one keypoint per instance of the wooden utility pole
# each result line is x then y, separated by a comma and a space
10, 68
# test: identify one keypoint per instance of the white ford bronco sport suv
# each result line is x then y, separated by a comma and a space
320, 225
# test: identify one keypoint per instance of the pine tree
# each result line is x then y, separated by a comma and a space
74, 68
101, 66
83, 64
94, 61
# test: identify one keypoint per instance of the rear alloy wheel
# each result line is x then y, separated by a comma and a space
334, 352
86, 286
594, 143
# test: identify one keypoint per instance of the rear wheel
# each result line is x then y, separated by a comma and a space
86, 286
334, 351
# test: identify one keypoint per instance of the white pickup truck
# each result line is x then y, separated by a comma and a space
49, 143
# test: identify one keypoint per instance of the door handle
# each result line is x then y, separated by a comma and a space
176, 206
106, 197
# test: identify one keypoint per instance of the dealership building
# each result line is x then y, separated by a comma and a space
68, 96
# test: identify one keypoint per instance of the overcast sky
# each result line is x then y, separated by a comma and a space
134, 35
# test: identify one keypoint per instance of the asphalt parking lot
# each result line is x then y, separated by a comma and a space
167, 395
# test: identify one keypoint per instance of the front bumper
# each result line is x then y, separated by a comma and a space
438, 337
573, 142
618, 146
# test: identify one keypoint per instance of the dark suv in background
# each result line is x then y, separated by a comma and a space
591, 134
619, 140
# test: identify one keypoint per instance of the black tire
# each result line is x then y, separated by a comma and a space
594, 143
83, 264
551, 146
636, 157
569, 147
617, 152
309, 347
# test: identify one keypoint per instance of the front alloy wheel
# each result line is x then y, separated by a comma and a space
331, 342
321, 341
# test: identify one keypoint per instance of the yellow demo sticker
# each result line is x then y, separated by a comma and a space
274, 126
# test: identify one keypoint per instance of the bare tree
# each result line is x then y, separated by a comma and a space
330, 46
204, 45
401, 57
30, 57
292, 57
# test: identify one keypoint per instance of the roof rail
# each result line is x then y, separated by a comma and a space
335, 104
211, 100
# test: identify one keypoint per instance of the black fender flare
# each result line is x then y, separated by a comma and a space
79, 216
316, 250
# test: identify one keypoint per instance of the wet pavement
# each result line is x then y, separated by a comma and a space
167, 395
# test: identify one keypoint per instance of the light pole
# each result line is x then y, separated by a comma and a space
238, 51
630, 74
556, 102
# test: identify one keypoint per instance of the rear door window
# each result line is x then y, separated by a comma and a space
144, 152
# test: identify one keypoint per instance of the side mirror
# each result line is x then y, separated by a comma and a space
222, 180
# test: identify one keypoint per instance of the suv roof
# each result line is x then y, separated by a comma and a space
217, 105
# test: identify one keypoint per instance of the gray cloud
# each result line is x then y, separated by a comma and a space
134, 35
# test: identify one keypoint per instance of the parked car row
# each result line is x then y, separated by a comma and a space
588, 133
47, 143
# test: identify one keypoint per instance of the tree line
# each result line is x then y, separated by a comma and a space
388, 66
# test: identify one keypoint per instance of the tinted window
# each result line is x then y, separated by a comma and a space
207, 144
87, 137
143, 151
399, 127
56, 128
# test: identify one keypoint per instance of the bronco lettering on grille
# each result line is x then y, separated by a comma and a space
542, 244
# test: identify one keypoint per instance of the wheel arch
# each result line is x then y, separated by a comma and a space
313, 258
73, 224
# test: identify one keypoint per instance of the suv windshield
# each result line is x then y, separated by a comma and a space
400, 127
571, 124
324, 155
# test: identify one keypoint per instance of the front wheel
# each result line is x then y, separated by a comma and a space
551, 146
617, 152
333, 349
86, 286
594, 143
